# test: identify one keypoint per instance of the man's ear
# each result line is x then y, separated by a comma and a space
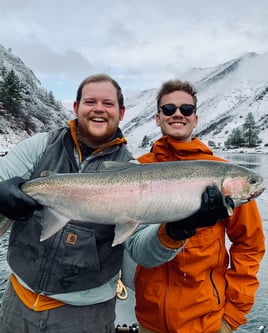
157, 119
75, 107
122, 112
195, 120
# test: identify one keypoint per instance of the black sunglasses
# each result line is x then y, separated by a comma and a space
185, 109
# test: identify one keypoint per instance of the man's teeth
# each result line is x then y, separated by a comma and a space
98, 119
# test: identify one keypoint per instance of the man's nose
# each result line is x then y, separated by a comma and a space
98, 106
178, 112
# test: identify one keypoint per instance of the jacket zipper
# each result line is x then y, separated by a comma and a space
165, 299
211, 276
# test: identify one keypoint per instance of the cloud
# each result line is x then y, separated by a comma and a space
142, 43
43, 59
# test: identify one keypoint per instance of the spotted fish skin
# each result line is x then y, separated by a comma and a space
129, 194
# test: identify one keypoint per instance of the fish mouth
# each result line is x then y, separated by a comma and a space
253, 195
257, 193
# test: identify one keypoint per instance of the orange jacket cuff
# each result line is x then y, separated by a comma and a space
166, 240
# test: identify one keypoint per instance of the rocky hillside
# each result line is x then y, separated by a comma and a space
38, 110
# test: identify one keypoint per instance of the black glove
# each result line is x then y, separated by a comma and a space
14, 203
212, 209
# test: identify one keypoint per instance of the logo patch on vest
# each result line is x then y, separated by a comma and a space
71, 238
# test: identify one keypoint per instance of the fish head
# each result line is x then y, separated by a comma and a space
241, 184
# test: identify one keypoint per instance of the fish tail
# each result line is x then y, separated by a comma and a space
5, 223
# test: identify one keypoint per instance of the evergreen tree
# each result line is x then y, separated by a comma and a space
51, 98
246, 135
145, 141
3, 71
11, 90
235, 138
250, 131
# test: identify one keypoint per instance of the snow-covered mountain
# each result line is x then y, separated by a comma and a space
226, 94
38, 111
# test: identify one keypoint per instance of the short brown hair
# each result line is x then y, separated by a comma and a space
100, 78
170, 86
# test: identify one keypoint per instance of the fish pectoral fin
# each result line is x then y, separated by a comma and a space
228, 206
230, 210
51, 222
123, 231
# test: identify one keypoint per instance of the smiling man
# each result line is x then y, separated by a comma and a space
68, 282
179, 121
99, 109
197, 291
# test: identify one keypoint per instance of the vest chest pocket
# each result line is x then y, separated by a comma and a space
77, 249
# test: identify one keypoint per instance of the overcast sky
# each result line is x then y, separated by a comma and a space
140, 43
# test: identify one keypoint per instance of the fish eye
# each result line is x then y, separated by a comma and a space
253, 181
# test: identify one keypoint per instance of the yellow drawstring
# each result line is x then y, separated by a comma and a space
121, 290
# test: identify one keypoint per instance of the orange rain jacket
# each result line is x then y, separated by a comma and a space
202, 284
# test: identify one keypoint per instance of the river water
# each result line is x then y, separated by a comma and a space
258, 314
259, 163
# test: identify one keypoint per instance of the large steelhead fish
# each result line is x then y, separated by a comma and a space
127, 194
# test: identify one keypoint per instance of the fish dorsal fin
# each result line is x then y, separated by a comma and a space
115, 166
47, 173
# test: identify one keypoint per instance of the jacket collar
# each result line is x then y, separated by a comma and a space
169, 149
116, 140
